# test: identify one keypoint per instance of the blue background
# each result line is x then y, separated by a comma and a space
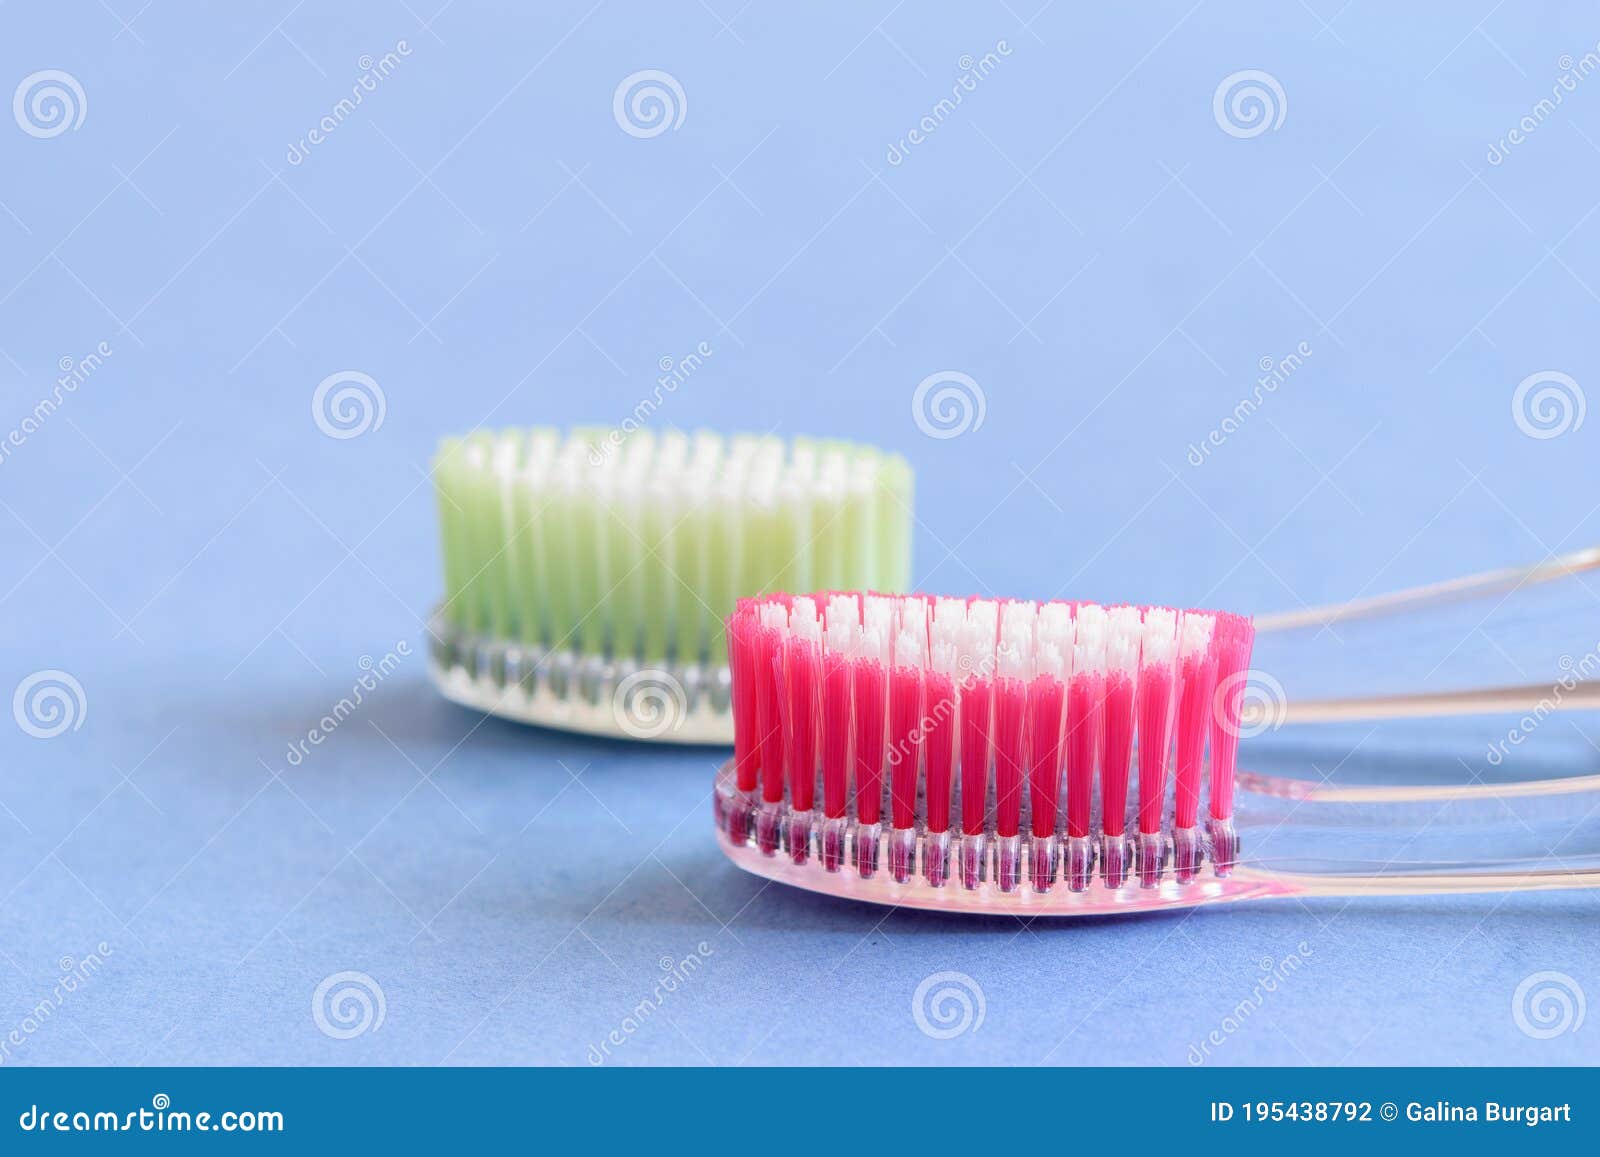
1080, 236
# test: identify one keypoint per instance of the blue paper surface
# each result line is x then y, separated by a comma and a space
1081, 234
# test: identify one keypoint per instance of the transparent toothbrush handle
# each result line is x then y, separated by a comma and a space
1481, 701
1513, 640
1288, 838
1301, 838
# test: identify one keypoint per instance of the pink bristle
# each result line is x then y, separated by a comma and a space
1117, 717
939, 748
1117, 762
1234, 641
1196, 680
869, 682
977, 712
769, 725
1046, 701
843, 624
945, 628
905, 739
1046, 712
770, 709
868, 678
742, 667
1014, 658
1046, 707
1010, 755
835, 734
1085, 699
1157, 675
803, 653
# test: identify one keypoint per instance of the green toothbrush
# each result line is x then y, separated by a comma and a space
587, 574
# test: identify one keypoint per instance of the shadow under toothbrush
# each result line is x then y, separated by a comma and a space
410, 714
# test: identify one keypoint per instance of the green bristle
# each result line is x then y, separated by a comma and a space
724, 555
884, 514
591, 570
899, 493
794, 541
530, 497
767, 559
483, 535
638, 546
525, 547
560, 540
624, 555
510, 567
501, 569
595, 442
866, 517
657, 604
830, 546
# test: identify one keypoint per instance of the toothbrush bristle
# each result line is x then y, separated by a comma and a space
1014, 656
1155, 693
803, 666
1197, 674
1046, 708
742, 664
994, 715
1235, 636
1124, 649
1084, 712
869, 689
905, 722
939, 690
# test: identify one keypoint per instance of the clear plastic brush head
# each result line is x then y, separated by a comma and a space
1288, 838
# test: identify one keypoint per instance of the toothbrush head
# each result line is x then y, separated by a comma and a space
976, 755
586, 572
